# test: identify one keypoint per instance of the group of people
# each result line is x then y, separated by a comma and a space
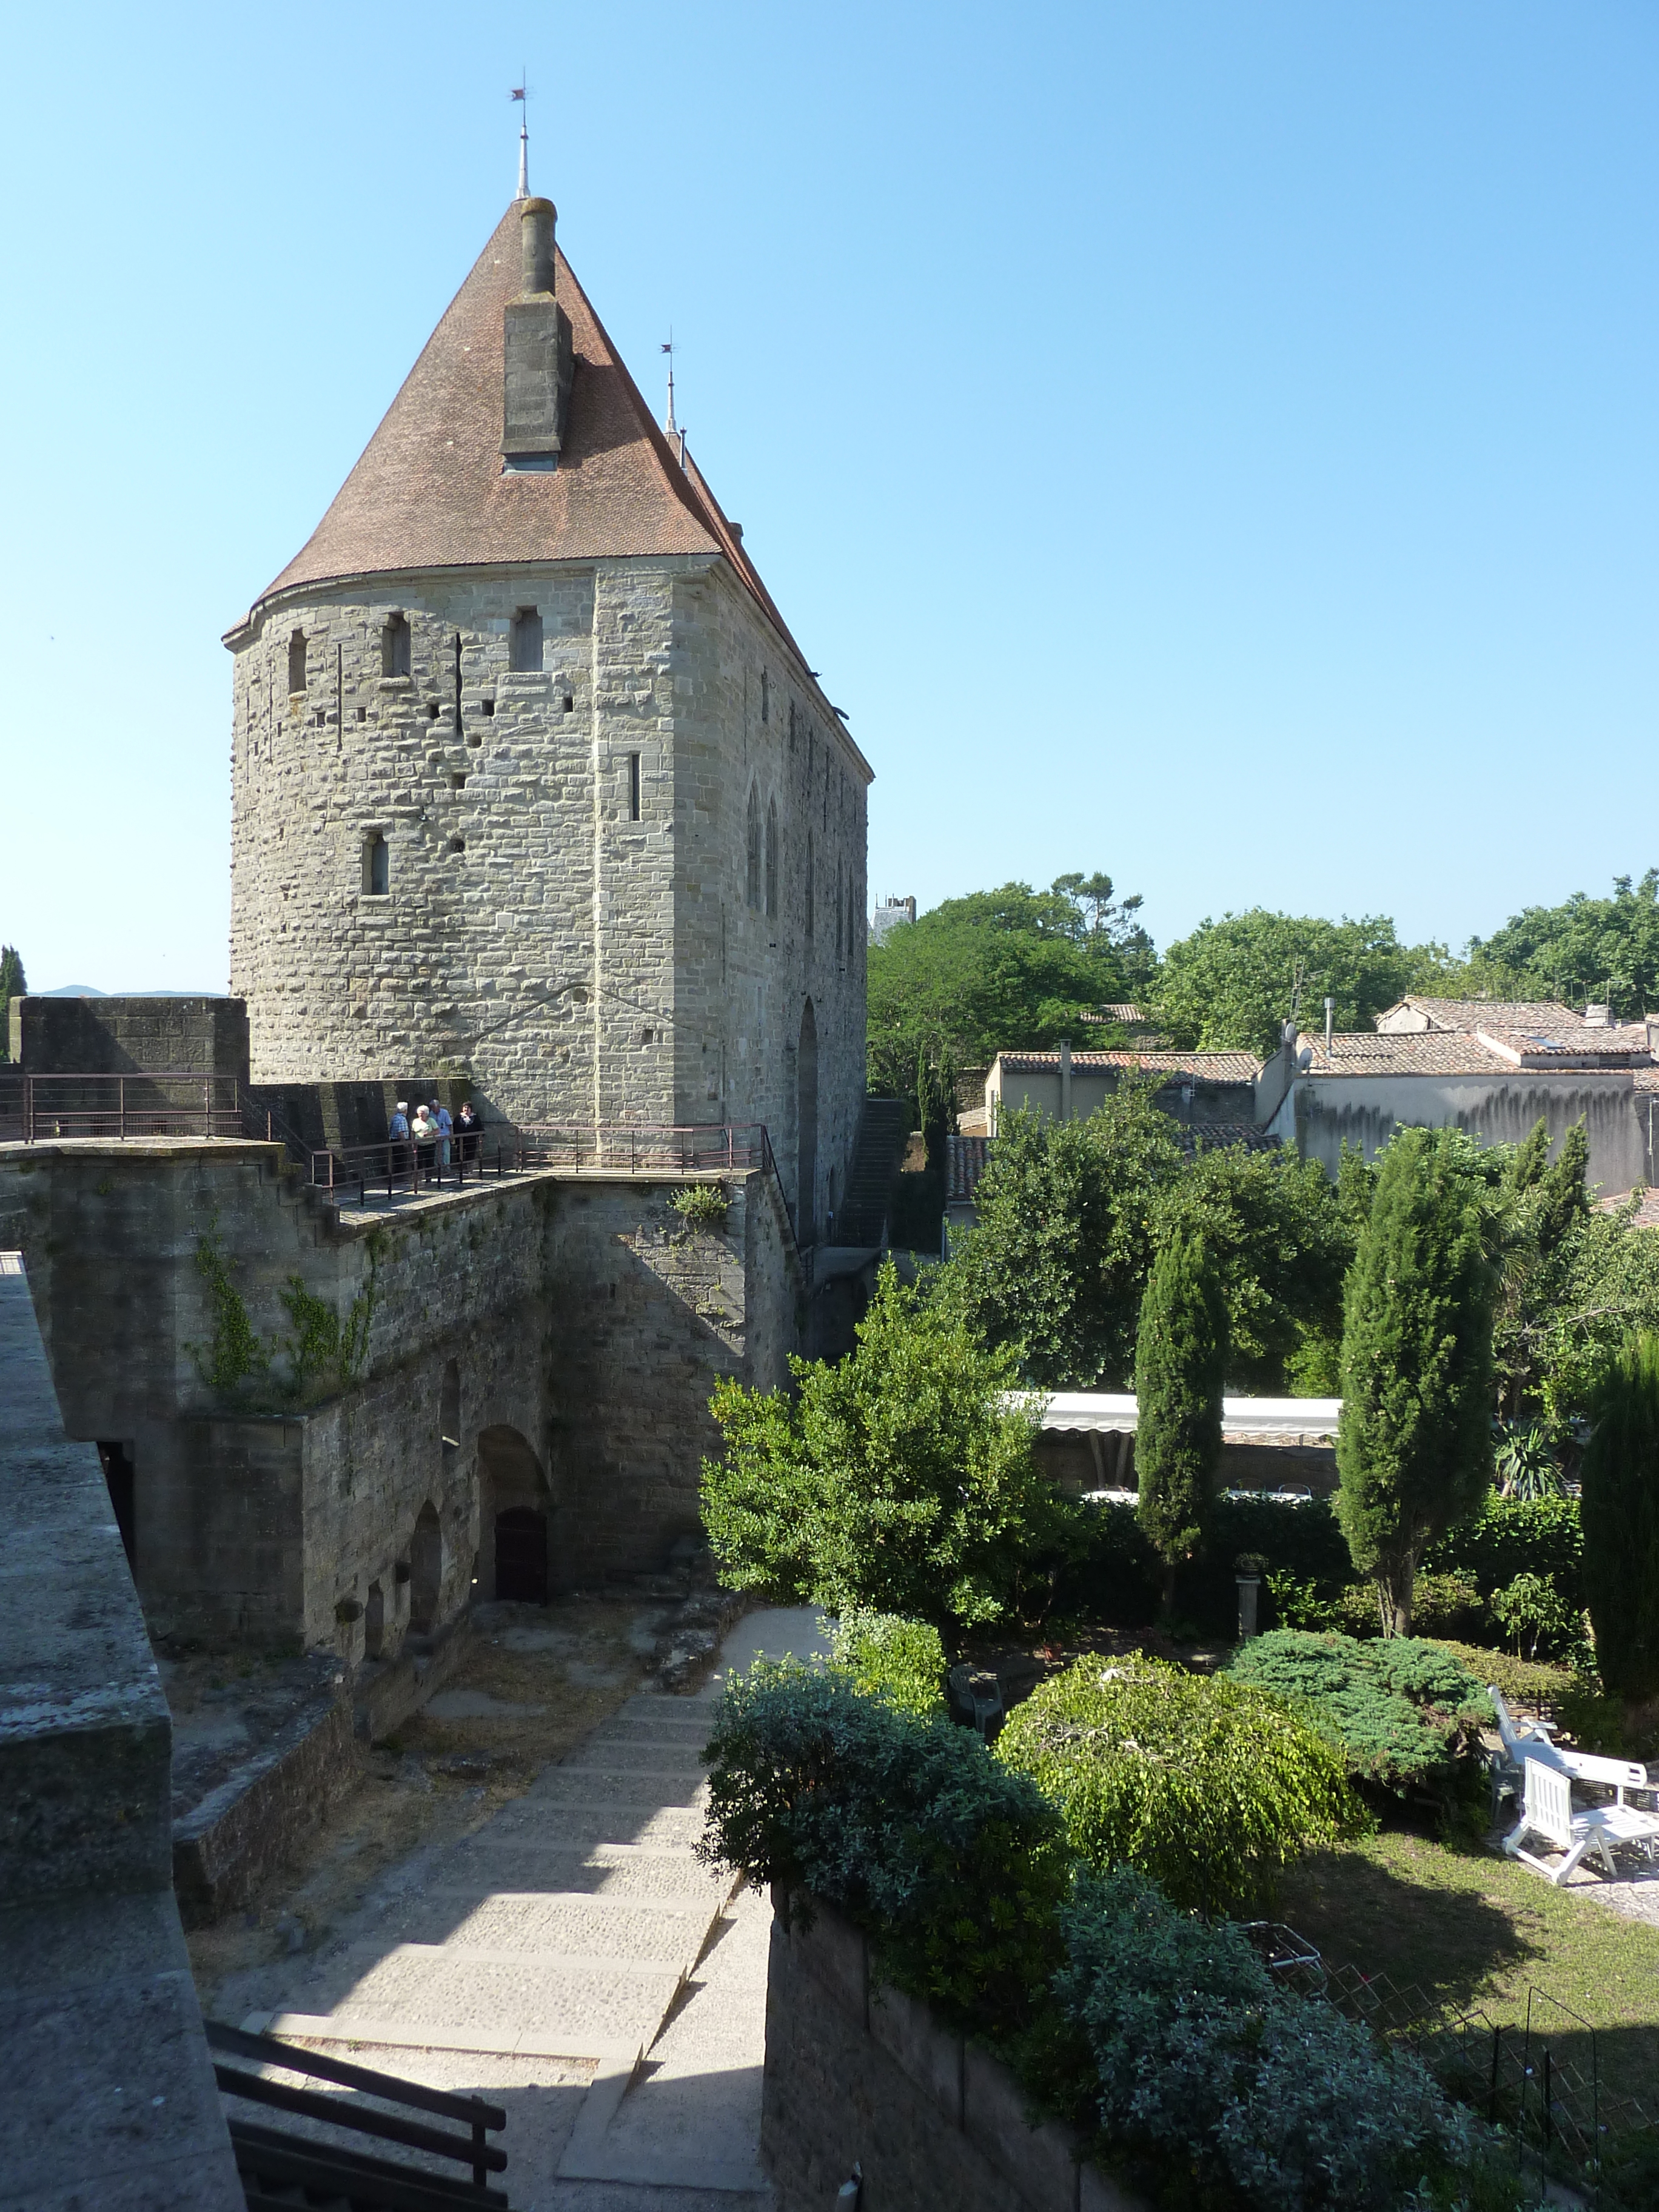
435, 1134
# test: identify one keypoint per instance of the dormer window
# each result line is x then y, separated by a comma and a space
526, 639
394, 646
296, 661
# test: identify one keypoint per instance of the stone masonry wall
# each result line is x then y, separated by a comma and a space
580, 1326
857, 2074
579, 965
123, 1037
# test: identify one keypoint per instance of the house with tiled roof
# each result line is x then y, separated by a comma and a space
1492, 1068
1210, 1096
532, 786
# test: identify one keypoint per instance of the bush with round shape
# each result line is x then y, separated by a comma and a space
953, 1865
884, 1656
1402, 1710
1205, 1786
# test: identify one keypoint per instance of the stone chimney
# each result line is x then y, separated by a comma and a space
538, 357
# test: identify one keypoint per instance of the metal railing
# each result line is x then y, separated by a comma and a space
272, 2159
713, 1148
161, 1102
415, 1165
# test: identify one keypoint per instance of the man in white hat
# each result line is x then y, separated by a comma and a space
397, 1131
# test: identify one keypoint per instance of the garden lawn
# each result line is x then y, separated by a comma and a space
1473, 1931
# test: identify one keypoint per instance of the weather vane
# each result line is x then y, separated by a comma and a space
521, 92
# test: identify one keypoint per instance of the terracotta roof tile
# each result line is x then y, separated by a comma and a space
1495, 1052
1214, 1067
1470, 1014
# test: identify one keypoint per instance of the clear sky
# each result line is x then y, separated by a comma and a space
1214, 442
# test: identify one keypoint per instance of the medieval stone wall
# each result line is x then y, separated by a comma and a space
579, 965
549, 1339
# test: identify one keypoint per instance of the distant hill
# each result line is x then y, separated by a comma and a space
87, 991
70, 991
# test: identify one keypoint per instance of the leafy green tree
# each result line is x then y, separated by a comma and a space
996, 971
1055, 1269
1414, 1445
901, 1478
1180, 1364
1230, 985
1620, 1509
1071, 1214
1605, 949
13, 985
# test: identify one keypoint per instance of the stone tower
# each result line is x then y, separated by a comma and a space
533, 787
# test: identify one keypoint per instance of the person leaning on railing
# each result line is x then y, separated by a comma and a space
467, 1126
397, 1131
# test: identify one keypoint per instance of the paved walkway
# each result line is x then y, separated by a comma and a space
573, 1960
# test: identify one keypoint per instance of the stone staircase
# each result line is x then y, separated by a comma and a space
862, 1217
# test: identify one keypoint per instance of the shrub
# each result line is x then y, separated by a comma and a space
899, 1478
1207, 1787
1620, 1507
701, 1206
1181, 1360
1630, 2172
1204, 2063
1531, 1611
886, 1656
1441, 1604
1513, 1536
1401, 1710
953, 1864
1521, 1681
1414, 1445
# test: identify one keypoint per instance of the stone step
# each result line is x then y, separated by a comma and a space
627, 1755
641, 1791
618, 1870
670, 1933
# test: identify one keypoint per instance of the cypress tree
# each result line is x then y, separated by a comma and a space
1414, 1446
1180, 1358
12, 986
1619, 1508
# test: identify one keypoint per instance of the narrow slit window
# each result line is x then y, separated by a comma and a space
296, 661
527, 642
632, 787
772, 859
766, 696
377, 865
811, 900
394, 646
752, 884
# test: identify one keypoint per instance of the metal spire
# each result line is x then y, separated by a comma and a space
670, 427
518, 93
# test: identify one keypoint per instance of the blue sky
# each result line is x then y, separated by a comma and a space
1211, 442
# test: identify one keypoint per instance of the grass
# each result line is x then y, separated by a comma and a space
1473, 1930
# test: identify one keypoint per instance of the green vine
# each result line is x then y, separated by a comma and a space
235, 1351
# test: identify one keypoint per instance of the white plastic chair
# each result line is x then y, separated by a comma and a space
1533, 1744
1548, 1813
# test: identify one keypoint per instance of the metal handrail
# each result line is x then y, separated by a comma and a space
81, 1105
414, 1161
691, 1147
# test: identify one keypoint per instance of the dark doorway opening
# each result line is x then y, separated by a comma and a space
121, 1475
521, 1555
426, 1572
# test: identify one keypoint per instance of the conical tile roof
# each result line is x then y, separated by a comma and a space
430, 491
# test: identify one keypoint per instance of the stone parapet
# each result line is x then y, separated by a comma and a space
860, 2076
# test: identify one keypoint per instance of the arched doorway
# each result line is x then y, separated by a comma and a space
807, 1128
515, 1514
426, 1572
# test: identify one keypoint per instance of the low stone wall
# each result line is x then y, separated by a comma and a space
129, 1036
857, 2075
240, 1832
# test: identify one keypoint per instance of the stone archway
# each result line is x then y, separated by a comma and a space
426, 1571
515, 1508
807, 1128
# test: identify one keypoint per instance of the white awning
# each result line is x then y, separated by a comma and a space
1286, 1421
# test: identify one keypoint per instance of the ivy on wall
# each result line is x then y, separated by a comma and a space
321, 1352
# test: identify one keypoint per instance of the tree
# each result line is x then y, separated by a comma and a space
1414, 1447
1544, 1207
1620, 1509
13, 985
1071, 1214
1605, 949
1054, 1268
1180, 1363
901, 1478
1230, 985
995, 971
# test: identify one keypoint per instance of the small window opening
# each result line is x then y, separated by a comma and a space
296, 661
569, 703
632, 787
432, 710
840, 911
362, 714
489, 705
752, 882
766, 696
377, 865
458, 782
810, 863
458, 844
527, 642
772, 859
394, 646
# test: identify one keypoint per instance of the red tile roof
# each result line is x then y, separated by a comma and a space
1454, 1052
429, 492
1215, 1066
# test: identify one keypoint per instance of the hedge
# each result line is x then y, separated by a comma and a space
1403, 1712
